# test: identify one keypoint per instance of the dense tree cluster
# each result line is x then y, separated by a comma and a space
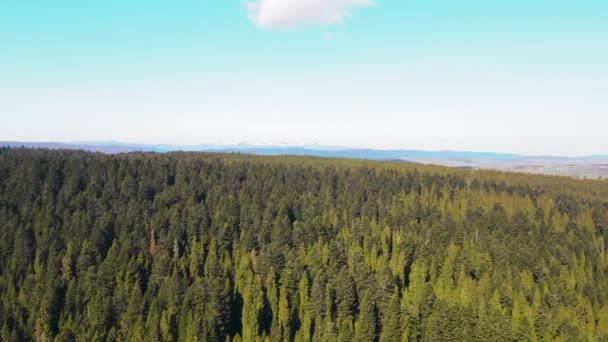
213, 247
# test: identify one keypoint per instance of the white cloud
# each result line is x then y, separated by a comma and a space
281, 14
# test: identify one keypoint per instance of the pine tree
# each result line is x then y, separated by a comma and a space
391, 320
346, 296
284, 315
368, 322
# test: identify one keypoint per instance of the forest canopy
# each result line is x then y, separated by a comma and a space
230, 247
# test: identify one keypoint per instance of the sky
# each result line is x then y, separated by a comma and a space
517, 76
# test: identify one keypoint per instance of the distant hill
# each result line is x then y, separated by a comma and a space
584, 166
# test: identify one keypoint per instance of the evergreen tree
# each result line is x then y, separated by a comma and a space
368, 323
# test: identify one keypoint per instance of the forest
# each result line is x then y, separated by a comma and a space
231, 247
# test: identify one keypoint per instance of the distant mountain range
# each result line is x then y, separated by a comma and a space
586, 166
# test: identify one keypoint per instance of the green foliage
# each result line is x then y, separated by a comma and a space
227, 247
368, 320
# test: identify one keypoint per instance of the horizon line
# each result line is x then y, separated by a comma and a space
311, 146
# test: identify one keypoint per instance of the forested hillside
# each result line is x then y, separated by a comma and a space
212, 247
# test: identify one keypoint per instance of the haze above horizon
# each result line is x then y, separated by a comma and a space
509, 77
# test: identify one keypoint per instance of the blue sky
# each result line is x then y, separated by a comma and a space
509, 76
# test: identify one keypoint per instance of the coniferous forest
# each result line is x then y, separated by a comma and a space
228, 247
